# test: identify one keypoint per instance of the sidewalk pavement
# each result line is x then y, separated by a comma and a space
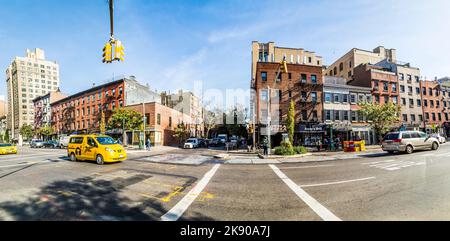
153, 150
235, 158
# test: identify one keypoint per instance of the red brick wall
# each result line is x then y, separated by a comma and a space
428, 109
292, 85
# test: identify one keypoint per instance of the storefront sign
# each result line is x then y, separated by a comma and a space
311, 129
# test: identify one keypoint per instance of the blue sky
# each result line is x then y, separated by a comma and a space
170, 44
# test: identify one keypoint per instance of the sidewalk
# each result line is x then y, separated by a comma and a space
153, 150
240, 158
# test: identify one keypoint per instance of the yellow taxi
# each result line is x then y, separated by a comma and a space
6, 149
99, 148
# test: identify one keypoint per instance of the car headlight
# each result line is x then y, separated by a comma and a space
109, 149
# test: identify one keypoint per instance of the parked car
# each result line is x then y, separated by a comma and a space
6, 148
214, 142
223, 138
202, 143
64, 141
440, 138
36, 144
51, 144
191, 143
408, 142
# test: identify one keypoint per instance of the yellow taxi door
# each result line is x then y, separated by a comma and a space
90, 149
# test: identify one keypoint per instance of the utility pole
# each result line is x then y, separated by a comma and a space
111, 17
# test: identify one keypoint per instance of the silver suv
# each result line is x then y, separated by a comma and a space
409, 141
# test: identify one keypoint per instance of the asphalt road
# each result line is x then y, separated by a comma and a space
190, 185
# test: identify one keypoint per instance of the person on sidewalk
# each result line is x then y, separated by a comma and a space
249, 145
149, 144
319, 145
265, 145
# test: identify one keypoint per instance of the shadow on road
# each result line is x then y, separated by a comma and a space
86, 199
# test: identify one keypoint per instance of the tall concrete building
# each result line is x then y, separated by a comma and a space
27, 78
344, 66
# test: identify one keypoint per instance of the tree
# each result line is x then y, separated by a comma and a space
46, 131
6, 137
126, 119
102, 123
291, 121
380, 117
181, 133
210, 120
26, 131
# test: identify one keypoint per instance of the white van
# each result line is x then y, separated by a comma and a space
64, 141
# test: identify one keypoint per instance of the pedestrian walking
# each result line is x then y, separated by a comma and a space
149, 144
265, 145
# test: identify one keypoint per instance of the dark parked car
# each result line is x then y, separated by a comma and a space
51, 144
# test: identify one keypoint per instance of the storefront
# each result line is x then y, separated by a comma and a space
365, 133
309, 135
447, 129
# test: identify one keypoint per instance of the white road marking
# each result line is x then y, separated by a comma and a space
318, 208
372, 163
335, 183
177, 211
305, 167
18, 165
394, 165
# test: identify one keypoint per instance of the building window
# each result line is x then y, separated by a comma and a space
401, 77
430, 91
377, 99
427, 116
328, 115
314, 114
341, 66
304, 97
425, 103
346, 117
264, 76
349, 74
337, 116
289, 76
432, 103
410, 90
304, 115
386, 99
394, 88
424, 91
438, 104
418, 91
417, 79
413, 118
345, 99
337, 98
439, 116
354, 116
314, 79
328, 97
420, 118
290, 94
433, 116
411, 102
304, 78
385, 87
405, 118
403, 101
419, 103
170, 121
446, 116
120, 91
314, 97
158, 119
402, 88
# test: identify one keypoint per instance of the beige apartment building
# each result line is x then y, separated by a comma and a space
27, 78
345, 65
268, 52
189, 104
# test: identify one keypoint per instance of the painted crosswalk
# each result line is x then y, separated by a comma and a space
394, 165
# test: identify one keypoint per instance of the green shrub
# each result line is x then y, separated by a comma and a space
300, 150
286, 149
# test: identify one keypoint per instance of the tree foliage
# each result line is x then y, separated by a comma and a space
6, 138
181, 133
291, 121
380, 117
46, 131
125, 118
27, 131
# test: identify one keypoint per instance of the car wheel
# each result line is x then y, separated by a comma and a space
100, 160
73, 158
409, 150
435, 146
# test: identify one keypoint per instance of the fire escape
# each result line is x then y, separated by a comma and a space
307, 102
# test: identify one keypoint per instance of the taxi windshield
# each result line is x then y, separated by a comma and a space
105, 140
5, 145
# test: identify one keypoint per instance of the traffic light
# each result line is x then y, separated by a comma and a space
284, 68
119, 51
107, 53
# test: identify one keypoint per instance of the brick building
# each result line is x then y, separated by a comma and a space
384, 83
42, 110
433, 106
303, 85
82, 112
161, 122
